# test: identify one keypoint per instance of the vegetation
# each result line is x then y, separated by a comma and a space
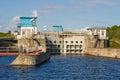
6, 35
114, 35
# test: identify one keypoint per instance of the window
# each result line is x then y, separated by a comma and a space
67, 46
80, 46
66, 41
58, 46
76, 41
50, 41
102, 33
59, 41
80, 41
71, 41
54, 41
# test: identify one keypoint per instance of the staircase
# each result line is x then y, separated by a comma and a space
35, 40
96, 42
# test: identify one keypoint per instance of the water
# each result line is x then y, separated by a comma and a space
63, 68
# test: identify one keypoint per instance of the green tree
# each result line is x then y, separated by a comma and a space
114, 35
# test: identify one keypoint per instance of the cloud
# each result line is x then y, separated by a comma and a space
15, 19
104, 2
13, 23
44, 11
96, 2
51, 8
4, 28
55, 7
35, 13
95, 21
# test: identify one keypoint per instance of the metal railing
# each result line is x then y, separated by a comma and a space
9, 49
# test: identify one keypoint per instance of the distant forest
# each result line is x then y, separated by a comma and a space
114, 35
6, 35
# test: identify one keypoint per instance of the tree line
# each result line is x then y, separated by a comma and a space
7, 34
114, 36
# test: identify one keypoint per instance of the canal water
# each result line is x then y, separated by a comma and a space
63, 68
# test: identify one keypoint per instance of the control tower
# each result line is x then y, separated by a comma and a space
27, 26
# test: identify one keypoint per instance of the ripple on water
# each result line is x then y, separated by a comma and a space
63, 68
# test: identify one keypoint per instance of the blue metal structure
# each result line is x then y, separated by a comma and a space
28, 21
58, 28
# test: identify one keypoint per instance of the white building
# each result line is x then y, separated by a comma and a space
65, 43
101, 32
27, 26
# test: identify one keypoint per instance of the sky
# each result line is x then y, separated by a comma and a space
71, 14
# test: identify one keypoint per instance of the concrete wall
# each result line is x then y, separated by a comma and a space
30, 43
65, 43
27, 32
90, 41
104, 52
74, 45
30, 60
54, 44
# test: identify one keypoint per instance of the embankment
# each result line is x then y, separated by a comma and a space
30, 60
104, 52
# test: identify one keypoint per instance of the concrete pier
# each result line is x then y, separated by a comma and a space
104, 52
30, 59
32, 51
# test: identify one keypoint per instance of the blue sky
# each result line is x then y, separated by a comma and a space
71, 14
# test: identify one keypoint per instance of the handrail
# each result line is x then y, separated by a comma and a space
9, 49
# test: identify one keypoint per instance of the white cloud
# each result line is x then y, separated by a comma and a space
35, 13
15, 19
13, 23
96, 2
56, 7
104, 2
3, 28
92, 20
44, 11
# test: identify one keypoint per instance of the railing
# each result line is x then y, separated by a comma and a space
34, 49
9, 49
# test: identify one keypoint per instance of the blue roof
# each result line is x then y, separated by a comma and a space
28, 21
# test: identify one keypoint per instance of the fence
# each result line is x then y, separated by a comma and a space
9, 49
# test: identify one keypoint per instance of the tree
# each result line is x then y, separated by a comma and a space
9, 32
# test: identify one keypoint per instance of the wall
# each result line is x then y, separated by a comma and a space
104, 52
74, 44
94, 42
30, 60
65, 43
54, 44
30, 43
28, 32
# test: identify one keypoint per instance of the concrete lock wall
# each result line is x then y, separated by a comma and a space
103, 52
29, 60
30, 43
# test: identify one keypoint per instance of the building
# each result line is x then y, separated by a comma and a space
60, 42
96, 38
75, 42
101, 32
65, 43
27, 26
58, 28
